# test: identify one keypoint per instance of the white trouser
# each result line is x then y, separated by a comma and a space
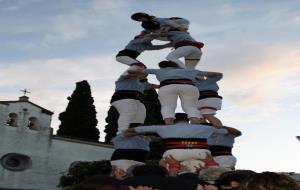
125, 164
186, 154
130, 111
227, 161
126, 60
190, 158
191, 54
188, 95
209, 105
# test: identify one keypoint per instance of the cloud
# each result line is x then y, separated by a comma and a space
52, 81
15, 5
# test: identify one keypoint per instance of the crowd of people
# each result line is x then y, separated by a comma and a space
198, 153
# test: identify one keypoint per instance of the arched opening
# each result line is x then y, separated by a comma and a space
12, 120
32, 123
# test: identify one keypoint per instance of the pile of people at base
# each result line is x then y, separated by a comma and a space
155, 177
198, 145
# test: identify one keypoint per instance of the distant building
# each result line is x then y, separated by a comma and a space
30, 156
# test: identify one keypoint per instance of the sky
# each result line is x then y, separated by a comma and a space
48, 46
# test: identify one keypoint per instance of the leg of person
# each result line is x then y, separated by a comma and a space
140, 115
213, 120
179, 53
208, 108
127, 109
188, 95
168, 96
193, 59
126, 60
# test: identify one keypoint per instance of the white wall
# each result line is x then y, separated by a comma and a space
50, 157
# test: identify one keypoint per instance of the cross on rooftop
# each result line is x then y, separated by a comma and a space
25, 91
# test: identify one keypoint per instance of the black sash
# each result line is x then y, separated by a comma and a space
126, 94
129, 53
220, 150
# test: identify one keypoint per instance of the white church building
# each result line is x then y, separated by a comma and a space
31, 157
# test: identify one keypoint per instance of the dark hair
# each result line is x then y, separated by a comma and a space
132, 125
137, 16
237, 175
164, 64
99, 182
150, 25
269, 181
145, 170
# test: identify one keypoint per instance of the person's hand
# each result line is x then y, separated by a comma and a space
183, 169
118, 173
199, 168
140, 188
200, 187
210, 187
130, 133
208, 158
171, 160
163, 163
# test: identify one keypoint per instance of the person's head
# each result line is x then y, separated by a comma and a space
269, 181
150, 25
165, 64
98, 182
232, 179
141, 17
145, 170
138, 66
181, 117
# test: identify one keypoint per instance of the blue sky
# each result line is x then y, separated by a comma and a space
47, 46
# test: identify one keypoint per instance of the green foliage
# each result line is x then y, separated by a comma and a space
79, 120
112, 124
152, 104
79, 171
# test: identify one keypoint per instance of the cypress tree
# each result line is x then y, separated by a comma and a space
79, 120
153, 117
112, 124
152, 104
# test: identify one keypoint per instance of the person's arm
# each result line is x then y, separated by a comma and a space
150, 85
233, 131
212, 74
203, 75
158, 47
209, 160
146, 129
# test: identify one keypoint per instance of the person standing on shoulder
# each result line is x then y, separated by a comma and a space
220, 146
209, 100
185, 47
135, 47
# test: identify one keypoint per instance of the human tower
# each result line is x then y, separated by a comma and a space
195, 139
